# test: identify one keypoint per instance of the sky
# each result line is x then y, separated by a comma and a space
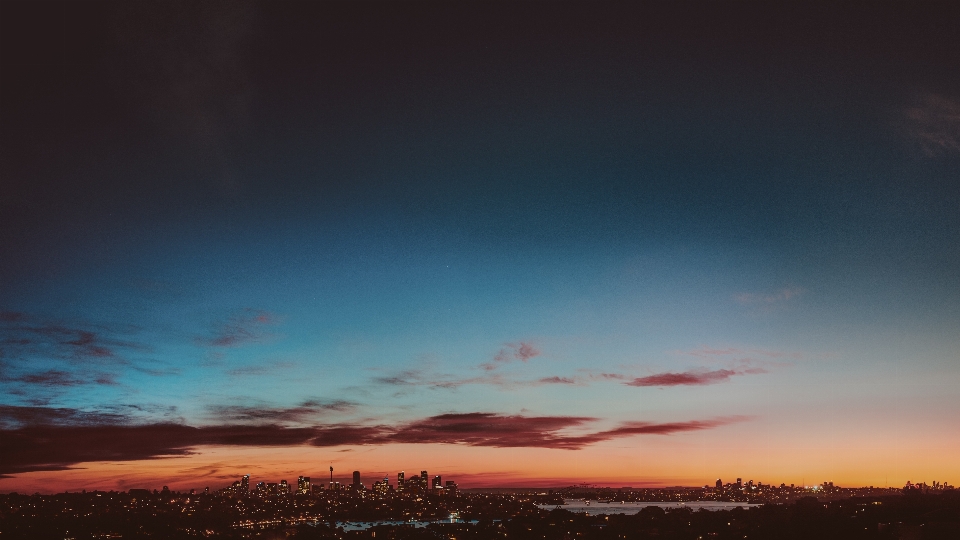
513, 244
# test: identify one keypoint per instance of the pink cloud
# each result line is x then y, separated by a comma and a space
692, 378
522, 351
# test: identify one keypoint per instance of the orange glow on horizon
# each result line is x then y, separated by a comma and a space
663, 461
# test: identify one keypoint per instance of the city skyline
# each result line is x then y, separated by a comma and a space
515, 244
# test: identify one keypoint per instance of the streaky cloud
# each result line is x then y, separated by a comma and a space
522, 351
49, 439
692, 378
246, 327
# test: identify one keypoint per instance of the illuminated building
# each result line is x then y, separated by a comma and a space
303, 485
424, 481
245, 483
284, 487
450, 488
400, 481
437, 485
356, 479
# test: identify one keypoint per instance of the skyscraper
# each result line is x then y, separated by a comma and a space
450, 488
303, 485
437, 485
245, 483
400, 480
424, 481
356, 479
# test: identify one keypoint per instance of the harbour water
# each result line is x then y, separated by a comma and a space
629, 508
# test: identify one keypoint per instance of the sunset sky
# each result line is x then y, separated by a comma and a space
514, 244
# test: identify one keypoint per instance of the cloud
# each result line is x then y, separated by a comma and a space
606, 376
243, 328
768, 299
669, 428
522, 351
693, 378
38, 438
556, 380
158, 372
306, 411
934, 122
57, 378
260, 369
416, 377
489, 429
13, 416
22, 336
707, 352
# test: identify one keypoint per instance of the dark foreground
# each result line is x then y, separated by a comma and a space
121, 515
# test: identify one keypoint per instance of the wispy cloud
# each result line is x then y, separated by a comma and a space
556, 380
737, 353
605, 376
669, 428
37, 438
58, 378
260, 369
934, 122
245, 327
44, 359
424, 379
307, 411
692, 378
23, 336
522, 351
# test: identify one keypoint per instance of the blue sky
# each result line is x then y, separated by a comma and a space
287, 235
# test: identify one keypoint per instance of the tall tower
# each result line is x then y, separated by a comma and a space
356, 478
331, 474
400, 480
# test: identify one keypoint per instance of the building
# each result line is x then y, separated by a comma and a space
245, 483
400, 481
382, 486
424, 481
303, 485
450, 488
284, 487
437, 484
356, 480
